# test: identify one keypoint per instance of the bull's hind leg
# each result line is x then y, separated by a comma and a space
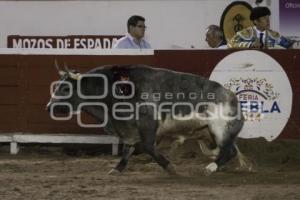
127, 152
225, 133
150, 148
160, 159
148, 129
212, 153
244, 162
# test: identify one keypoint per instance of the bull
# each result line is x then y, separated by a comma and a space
139, 103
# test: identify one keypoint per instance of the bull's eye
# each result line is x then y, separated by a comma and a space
66, 90
61, 89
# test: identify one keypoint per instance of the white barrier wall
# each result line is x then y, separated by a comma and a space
171, 23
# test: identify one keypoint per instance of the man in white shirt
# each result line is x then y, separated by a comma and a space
134, 39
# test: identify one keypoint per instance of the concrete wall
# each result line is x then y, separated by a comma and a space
172, 23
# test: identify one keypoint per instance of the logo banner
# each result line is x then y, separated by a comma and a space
262, 88
63, 42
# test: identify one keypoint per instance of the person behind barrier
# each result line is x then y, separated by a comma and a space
134, 39
259, 36
215, 38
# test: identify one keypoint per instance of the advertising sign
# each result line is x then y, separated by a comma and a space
263, 90
63, 42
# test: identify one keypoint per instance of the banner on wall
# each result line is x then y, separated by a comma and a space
262, 88
63, 42
289, 14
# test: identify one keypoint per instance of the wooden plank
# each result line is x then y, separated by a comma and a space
199, 62
10, 95
5, 138
65, 138
291, 130
289, 58
296, 106
41, 75
39, 114
9, 75
38, 94
60, 128
9, 114
294, 80
9, 60
9, 127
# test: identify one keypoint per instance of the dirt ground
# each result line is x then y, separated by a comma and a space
69, 172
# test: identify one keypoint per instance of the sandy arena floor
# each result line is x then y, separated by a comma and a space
40, 172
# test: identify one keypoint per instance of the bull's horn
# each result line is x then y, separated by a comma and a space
66, 67
74, 76
56, 65
60, 72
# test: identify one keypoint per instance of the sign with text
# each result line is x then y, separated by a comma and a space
289, 12
262, 88
63, 42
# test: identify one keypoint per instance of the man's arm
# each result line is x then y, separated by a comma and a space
237, 42
121, 43
281, 40
286, 43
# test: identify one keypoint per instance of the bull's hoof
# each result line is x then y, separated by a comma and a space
250, 168
211, 168
171, 170
114, 172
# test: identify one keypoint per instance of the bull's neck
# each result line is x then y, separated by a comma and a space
96, 112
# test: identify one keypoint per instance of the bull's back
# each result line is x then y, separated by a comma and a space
159, 80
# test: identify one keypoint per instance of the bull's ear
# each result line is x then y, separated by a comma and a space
61, 73
74, 76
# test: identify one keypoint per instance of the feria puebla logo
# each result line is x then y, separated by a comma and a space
257, 97
262, 88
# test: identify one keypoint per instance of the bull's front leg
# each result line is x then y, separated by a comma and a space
227, 152
126, 153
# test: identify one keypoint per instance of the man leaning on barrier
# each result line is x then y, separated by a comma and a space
134, 39
259, 36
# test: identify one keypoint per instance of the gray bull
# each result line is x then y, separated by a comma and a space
138, 103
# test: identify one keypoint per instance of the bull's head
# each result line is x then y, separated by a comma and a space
75, 92
64, 98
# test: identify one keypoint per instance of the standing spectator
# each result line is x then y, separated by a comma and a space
215, 37
260, 35
134, 39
